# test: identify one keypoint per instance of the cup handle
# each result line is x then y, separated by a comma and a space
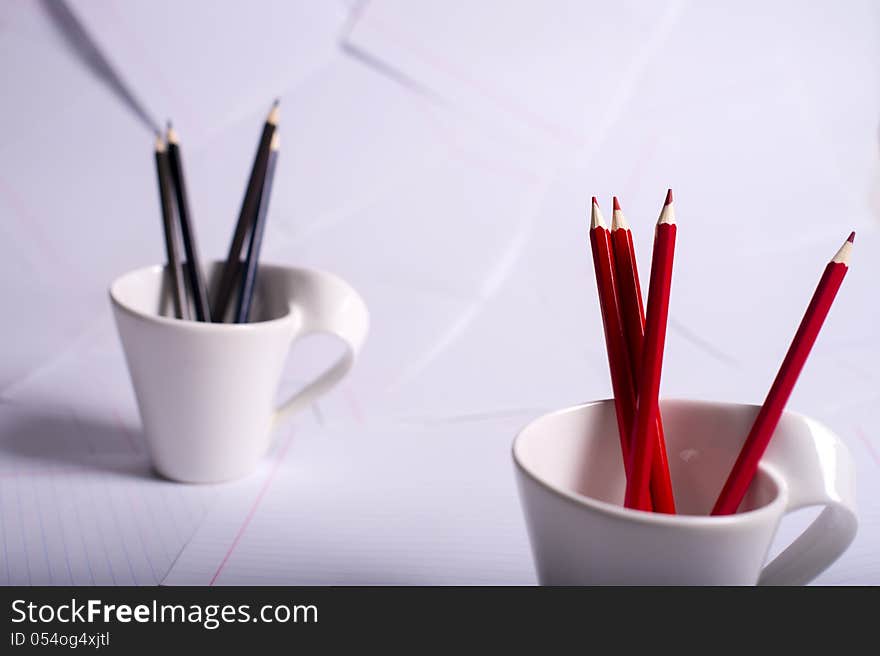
328, 305
824, 476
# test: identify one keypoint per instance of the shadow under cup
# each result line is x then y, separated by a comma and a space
571, 482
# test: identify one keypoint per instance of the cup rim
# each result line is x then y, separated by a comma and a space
204, 326
643, 516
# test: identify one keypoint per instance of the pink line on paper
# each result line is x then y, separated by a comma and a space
355, 407
253, 510
29, 220
868, 445
458, 149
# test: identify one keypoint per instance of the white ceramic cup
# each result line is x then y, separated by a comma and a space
206, 391
571, 483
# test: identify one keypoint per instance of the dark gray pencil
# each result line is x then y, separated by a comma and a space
249, 273
249, 208
193, 267
171, 230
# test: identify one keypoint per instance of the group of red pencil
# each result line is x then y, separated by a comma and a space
635, 339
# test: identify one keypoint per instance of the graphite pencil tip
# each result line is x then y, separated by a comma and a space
170, 133
274, 113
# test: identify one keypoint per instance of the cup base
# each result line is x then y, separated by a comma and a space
205, 478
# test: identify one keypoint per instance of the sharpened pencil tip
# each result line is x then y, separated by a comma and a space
615, 204
276, 142
667, 214
170, 133
843, 254
596, 220
618, 221
160, 143
274, 113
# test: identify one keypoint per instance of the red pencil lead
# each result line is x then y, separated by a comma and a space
668, 197
852, 237
595, 202
616, 205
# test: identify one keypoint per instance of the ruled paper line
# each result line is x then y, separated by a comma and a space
247, 520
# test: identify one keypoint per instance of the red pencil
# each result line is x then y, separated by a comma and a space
644, 430
632, 313
615, 344
768, 416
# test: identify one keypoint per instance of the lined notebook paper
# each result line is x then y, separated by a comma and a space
426, 505
395, 506
79, 504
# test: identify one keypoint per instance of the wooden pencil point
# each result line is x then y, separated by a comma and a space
274, 113
843, 254
614, 204
667, 214
852, 237
596, 219
668, 197
276, 142
160, 144
171, 134
618, 220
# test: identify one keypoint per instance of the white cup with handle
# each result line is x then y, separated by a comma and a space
206, 391
571, 482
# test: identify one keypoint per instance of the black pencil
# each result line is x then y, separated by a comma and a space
249, 208
249, 274
171, 230
193, 267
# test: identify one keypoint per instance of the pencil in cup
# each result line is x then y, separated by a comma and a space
647, 406
632, 314
759, 436
171, 231
615, 344
249, 271
193, 266
250, 205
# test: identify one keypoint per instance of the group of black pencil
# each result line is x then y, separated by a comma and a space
188, 288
